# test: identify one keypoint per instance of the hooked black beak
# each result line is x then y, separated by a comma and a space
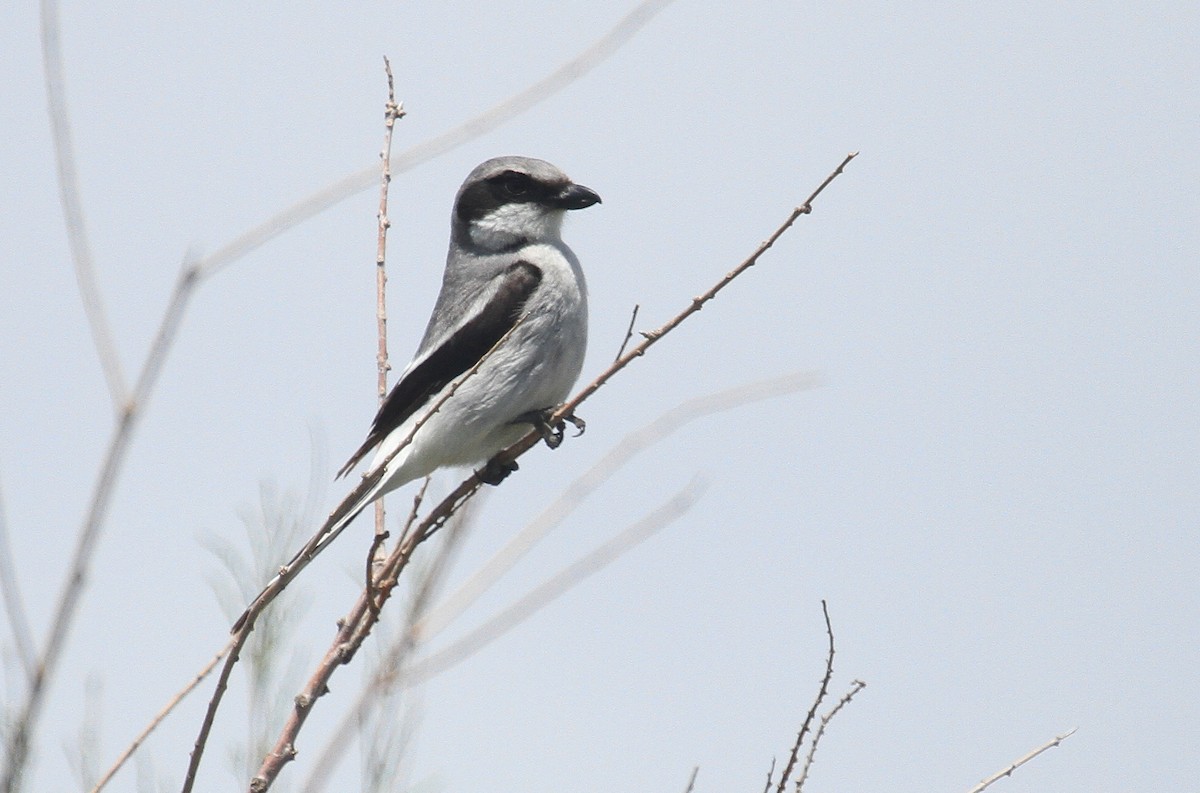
576, 196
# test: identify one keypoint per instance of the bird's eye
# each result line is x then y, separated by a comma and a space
515, 185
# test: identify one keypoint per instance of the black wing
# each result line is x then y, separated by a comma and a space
456, 355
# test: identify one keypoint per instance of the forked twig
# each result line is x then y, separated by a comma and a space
1055, 741
855, 687
812, 712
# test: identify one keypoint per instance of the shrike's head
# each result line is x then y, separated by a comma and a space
507, 202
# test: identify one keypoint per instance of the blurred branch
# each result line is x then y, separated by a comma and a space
469, 130
17, 749
855, 687
619, 456
394, 669
691, 785
1055, 741
812, 712
14, 605
72, 205
554, 587
770, 774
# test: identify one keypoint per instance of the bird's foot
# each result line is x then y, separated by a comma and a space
496, 471
579, 424
552, 434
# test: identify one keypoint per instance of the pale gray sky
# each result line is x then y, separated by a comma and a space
995, 488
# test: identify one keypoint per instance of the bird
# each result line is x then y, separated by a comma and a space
503, 347
508, 272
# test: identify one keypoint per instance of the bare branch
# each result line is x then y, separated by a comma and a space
162, 714
1055, 741
391, 114
628, 334
72, 206
770, 774
855, 687
14, 605
812, 712
471, 129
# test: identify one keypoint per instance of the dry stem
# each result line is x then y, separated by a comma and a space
392, 113
812, 712
855, 687
1055, 741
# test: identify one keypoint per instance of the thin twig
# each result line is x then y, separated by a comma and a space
72, 206
1055, 741
469, 130
812, 712
855, 687
392, 113
162, 714
691, 785
14, 605
770, 773
628, 333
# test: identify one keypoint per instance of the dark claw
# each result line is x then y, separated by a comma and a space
579, 424
496, 471
540, 419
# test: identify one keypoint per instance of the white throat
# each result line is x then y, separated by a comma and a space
512, 223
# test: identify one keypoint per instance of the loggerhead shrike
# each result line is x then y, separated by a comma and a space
507, 268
